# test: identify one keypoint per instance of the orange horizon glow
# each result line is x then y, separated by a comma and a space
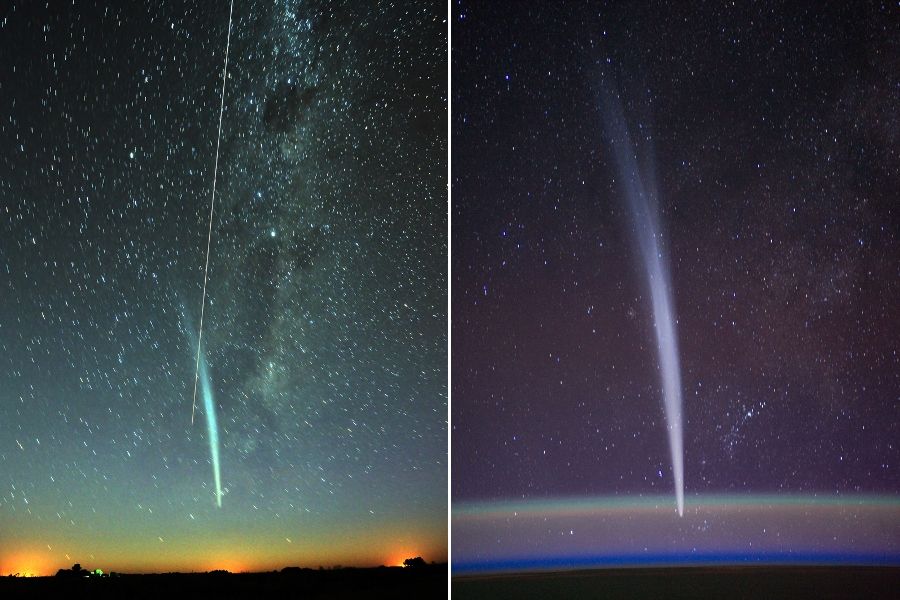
397, 558
29, 562
124, 549
25, 563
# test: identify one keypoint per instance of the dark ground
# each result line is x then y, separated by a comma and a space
729, 583
385, 582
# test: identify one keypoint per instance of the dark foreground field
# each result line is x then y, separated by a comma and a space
385, 582
729, 583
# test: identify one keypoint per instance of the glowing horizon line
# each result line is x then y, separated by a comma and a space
577, 562
594, 504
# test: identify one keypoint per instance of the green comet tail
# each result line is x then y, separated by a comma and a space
209, 408
212, 427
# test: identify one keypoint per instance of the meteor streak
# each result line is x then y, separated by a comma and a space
212, 206
642, 205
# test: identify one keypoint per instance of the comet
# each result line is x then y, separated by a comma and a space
641, 197
209, 409
212, 428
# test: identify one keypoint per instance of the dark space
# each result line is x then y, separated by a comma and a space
734, 583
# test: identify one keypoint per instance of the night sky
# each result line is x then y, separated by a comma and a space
770, 134
325, 329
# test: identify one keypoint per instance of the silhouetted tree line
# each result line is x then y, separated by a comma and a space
415, 562
77, 572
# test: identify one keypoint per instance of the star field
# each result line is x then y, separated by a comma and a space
770, 132
325, 323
